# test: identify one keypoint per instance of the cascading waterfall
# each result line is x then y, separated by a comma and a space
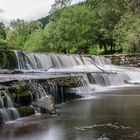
44, 61
38, 91
53, 89
106, 79
7, 110
41, 92
97, 70
100, 60
90, 74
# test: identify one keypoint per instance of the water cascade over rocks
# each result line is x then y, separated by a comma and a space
98, 70
7, 110
32, 80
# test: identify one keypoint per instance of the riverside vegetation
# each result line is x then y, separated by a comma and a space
92, 26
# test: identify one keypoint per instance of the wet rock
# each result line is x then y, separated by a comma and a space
124, 59
46, 105
25, 111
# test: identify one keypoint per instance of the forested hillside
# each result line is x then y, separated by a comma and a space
91, 27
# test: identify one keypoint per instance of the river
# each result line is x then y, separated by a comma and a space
112, 114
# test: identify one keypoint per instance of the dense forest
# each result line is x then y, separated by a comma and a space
90, 27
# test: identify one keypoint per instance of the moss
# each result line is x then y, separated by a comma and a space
17, 105
67, 81
20, 89
13, 95
25, 111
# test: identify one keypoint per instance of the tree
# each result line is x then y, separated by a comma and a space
36, 42
57, 8
90, 27
17, 34
2, 31
2, 35
19, 31
107, 14
134, 6
71, 32
127, 33
59, 4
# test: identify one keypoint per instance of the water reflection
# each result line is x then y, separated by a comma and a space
109, 115
54, 133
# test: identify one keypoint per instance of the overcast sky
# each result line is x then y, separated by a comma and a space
25, 9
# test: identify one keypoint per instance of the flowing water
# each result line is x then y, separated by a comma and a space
112, 114
109, 111
7, 110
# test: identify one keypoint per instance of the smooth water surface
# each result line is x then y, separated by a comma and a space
108, 115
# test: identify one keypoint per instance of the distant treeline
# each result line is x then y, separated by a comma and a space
93, 26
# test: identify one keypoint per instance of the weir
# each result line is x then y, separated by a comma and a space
39, 80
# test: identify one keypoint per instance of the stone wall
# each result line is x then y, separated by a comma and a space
125, 60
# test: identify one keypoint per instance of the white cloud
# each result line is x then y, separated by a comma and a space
76, 1
6, 21
1, 11
25, 9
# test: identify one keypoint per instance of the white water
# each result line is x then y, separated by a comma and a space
101, 73
98, 74
7, 110
41, 93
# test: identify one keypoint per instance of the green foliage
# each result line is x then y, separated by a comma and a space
95, 50
127, 33
107, 15
20, 31
36, 42
3, 42
59, 4
57, 8
93, 26
2, 31
44, 20
4, 60
71, 31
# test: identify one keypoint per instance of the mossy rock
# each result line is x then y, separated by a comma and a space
25, 111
